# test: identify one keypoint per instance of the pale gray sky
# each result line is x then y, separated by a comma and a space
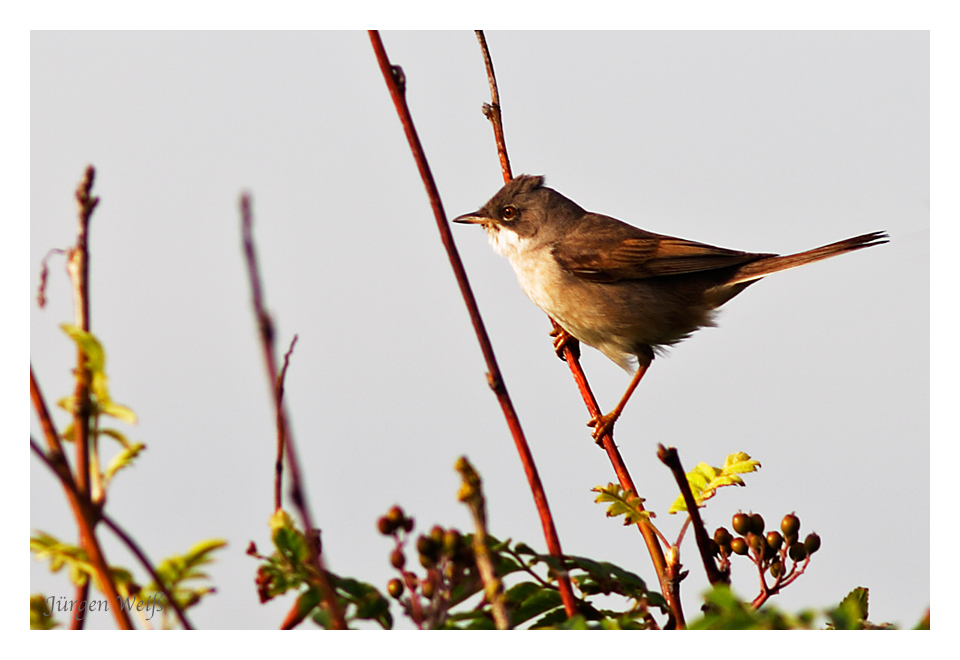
761, 141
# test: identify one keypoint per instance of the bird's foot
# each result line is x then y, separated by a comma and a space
562, 340
603, 425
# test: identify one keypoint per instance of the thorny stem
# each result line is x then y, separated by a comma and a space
265, 325
570, 355
393, 76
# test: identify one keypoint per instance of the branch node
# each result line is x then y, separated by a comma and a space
496, 383
399, 77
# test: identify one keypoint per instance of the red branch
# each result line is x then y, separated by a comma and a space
669, 587
393, 76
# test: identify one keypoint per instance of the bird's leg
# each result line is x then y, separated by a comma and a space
563, 339
604, 423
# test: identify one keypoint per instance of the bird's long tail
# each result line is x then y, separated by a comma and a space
763, 267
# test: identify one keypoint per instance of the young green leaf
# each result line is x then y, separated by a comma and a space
704, 479
622, 503
123, 459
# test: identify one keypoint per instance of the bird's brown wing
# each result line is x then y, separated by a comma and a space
603, 249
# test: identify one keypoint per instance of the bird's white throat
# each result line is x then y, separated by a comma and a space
507, 243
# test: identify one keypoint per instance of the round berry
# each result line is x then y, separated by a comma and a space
790, 525
722, 536
774, 540
741, 523
395, 588
797, 552
739, 546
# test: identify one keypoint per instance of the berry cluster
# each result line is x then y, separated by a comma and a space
770, 551
448, 559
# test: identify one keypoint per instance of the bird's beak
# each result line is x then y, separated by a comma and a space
475, 218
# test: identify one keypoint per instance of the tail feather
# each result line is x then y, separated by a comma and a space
763, 267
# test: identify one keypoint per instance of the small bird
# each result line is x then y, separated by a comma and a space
625, 291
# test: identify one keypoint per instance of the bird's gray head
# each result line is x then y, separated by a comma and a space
520, 211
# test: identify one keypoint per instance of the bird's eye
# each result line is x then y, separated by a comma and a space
510, 213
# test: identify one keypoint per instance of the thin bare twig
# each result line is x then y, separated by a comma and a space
393, 76
571, 356
492, 110
281, 431
671, 459
298, 494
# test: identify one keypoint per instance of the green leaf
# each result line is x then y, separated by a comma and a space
88, 344
724, 611
123, 459
96, 360
541, 600
622, 503
520, 592
178, 570
119, 411
524, 549
704, 479
116, 435
41, 618
60, 554
306, 601
368, 603
851, 613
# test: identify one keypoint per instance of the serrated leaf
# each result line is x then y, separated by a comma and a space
540, 601
60, 554
704, 479
622, 503
740, 462
122, 460
851, 613
178, 570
